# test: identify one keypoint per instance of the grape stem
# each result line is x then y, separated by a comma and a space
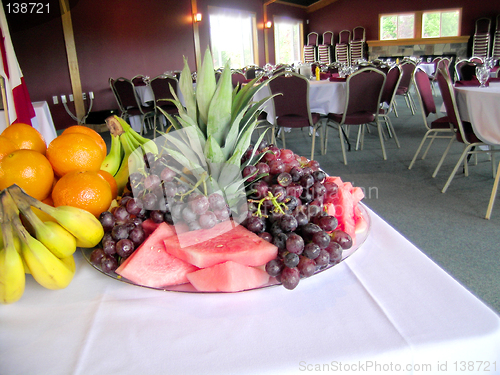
269, 197
202, 179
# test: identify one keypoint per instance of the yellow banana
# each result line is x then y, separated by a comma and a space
70, 263
84, 226
113, 159
57, 239
146, 144
12, 277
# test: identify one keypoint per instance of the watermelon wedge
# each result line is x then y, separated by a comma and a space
150, 265
228, 277
226, 241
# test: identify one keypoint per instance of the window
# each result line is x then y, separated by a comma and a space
439, 24
430, 24
287, 40
397, 26
233, 37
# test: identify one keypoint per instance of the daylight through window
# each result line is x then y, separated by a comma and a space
287, 40
233, 37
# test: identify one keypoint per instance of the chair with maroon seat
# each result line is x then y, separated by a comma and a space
407, 67
237, 78
162, 86
463, 130
393, 77
291, 106
131, 103
363, 93
440, 127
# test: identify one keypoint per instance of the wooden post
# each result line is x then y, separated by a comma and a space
74, 70
196, 35
4, 101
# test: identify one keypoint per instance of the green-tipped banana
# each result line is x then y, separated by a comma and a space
135, 138
112, 161
12, 276
57, 239
84, 226
47, 269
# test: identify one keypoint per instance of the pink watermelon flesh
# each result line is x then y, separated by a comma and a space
228, 277
233, 242
150, 265
149, 226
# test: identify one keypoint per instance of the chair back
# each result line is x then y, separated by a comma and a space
424, 92
393, 77
407, 67
364, 90
450, 103
126, 92
293, 95
161, 89
139, 80
237, 77
111, 82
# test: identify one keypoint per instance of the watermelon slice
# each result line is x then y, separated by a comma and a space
228, 277
149, 226
226, 241
150, 265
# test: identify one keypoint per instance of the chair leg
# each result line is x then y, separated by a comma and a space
380, 135
358, 139
462, 157
313, 142
342, 146
325, 138
418, 150
392, 133
493, 193
443, 157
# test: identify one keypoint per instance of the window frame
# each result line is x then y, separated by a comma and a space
417, 36
414, 14
255, 41
440, 11
276, 20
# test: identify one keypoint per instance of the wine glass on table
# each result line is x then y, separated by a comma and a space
482, 74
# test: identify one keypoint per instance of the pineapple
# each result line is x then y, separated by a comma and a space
213, 131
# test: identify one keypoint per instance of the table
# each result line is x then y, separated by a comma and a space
387, 305
324, 97
42, 121
481, 107
428, 68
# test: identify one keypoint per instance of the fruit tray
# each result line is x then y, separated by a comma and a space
188, 288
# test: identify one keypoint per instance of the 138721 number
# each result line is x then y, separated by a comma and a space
30, 8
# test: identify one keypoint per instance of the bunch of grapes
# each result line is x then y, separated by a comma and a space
159, 194
287, 208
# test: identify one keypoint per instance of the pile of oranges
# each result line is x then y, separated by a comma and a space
64, 173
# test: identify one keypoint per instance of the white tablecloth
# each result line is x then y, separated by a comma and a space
387, 306
324, 97
42, 121
428, 68
481, 107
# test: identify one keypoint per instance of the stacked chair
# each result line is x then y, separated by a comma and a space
342, 48
357, 44
311, 48
482, 39
325, 49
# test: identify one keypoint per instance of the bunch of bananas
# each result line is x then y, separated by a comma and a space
127, 146
46, 251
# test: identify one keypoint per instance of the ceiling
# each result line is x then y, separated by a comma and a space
300, 2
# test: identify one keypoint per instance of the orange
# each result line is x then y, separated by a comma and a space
30, 170
111, 181
83, 189
90, 132
26, 137
6, 146
74, 151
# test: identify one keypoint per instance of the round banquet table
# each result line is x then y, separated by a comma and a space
481, 107
385, 309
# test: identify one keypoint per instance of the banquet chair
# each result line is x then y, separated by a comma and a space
139, 80
111, 82
440, 127
291, 107
238, 78
393, 77
363, 92
131, 103
407, 67
161, 86
463, 130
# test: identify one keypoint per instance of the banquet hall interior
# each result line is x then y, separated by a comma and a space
125, 38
